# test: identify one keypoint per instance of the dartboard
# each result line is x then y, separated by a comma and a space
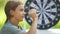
48, 12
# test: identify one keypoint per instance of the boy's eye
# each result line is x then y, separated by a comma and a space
21, 9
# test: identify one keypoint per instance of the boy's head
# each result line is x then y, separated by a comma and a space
14, 9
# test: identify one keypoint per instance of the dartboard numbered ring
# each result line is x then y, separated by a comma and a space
47, 11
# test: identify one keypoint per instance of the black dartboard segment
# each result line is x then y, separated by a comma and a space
48, 12
58, 8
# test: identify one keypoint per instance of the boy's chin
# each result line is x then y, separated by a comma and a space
21, 20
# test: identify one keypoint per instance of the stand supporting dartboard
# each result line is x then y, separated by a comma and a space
48, 12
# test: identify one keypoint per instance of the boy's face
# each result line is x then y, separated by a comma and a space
19, 13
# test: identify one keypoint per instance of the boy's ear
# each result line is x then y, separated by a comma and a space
11, 12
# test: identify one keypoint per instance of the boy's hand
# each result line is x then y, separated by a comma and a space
33, 14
